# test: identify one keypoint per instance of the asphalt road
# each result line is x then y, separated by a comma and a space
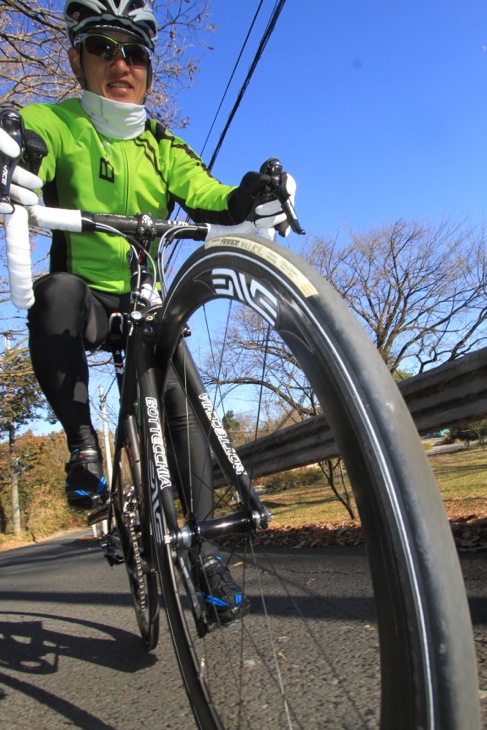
70, 654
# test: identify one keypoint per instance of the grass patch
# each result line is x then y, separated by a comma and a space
461, 478
305, 505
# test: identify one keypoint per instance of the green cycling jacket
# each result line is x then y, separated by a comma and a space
87, 171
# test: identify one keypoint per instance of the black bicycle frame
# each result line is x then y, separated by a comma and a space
146, 368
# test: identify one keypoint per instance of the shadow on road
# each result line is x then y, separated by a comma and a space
30, 645
75, 715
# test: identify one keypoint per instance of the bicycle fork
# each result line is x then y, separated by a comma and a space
250, 514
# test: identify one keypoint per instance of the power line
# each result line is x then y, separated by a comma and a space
232, 75
267, 34
265, 38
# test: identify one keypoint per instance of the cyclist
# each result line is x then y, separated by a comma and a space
106, 155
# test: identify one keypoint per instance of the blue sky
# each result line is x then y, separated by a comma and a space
377, 107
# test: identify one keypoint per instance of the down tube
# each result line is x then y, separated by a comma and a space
227, 458
156, 476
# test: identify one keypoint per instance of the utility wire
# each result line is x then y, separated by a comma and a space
260, 50
232, 75
267, 34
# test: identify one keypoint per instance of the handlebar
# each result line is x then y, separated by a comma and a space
141, 227
79, 221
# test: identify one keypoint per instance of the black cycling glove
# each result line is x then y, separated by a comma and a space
254, 201
241, 200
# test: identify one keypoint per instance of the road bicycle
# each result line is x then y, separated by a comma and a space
303, 657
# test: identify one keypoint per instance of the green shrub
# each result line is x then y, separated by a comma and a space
292, 478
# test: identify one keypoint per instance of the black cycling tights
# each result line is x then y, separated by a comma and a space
69, 318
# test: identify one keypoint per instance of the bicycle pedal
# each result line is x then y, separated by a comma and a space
114, 558
211, 624
110, 552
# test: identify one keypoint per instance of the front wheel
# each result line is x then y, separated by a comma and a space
397, 650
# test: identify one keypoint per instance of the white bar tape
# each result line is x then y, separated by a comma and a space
246, 228
55, 218
19, 258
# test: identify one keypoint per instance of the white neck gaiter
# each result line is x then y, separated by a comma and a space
114, 118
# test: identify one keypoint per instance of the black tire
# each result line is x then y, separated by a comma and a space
306, 655
135, 539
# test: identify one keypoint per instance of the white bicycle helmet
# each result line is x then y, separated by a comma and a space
134, 17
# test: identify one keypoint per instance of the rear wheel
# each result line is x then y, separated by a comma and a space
397, 647
135, 540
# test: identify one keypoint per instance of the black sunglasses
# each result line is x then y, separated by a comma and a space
134, 54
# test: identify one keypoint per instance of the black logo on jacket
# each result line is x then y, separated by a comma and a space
106, 170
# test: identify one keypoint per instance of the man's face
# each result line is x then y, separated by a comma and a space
114, 79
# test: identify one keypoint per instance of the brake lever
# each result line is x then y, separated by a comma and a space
273, 168
34, 152
12, 123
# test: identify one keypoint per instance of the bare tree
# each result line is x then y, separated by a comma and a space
20, 399
419, 290
34, 62
252, 357
34, 68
